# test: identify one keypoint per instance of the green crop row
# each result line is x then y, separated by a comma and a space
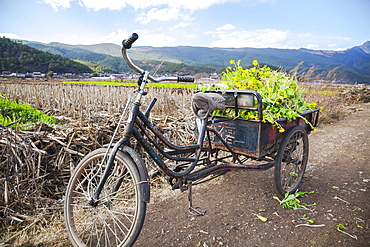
134, 84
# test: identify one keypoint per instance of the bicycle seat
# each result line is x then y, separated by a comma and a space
204, 104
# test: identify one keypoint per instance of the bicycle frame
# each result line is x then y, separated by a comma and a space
138, 125
117, 174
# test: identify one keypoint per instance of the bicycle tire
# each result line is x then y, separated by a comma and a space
291, 160
117, 218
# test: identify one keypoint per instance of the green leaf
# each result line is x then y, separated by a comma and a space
340, 227
290, 92
293, 174
333, 186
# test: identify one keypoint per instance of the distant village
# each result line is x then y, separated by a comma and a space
96, 76
64, 75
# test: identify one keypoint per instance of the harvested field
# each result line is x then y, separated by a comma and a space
37, 164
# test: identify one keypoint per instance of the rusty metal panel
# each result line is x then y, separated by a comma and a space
254, 138
245, 137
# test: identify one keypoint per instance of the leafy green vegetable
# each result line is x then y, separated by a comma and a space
333, 186
21, 116
340, 227
291, 201
293, 174
308, 219
280, 93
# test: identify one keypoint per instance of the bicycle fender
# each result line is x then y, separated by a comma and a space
142, 171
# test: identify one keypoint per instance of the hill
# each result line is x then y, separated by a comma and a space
351, 65
16, 57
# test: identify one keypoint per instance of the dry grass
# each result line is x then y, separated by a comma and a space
337, 100
36, 165
88, 102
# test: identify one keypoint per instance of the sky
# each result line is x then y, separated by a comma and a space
287, 24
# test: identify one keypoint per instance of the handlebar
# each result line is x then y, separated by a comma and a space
127, 44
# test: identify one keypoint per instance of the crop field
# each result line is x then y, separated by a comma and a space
131, 83
87, 101
38, 162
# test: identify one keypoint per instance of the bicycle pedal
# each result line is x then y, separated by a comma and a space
197, 211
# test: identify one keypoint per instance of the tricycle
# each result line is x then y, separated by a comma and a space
107, 195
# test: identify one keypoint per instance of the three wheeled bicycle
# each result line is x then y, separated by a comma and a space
106, 198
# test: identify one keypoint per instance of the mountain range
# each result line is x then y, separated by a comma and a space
350, 65
19, 58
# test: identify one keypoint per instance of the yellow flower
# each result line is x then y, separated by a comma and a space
255, 62
232, 62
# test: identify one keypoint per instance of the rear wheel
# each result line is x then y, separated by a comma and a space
116, 218
291, 160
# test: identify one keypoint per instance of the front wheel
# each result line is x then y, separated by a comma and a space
291, 160
117, 217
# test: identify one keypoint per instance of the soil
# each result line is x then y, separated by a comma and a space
338, 172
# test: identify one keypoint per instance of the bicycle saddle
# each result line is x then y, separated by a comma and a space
204, 104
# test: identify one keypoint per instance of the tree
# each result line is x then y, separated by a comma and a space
94, 74
50, 73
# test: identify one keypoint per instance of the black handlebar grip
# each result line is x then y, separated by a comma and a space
126, 43
185, 79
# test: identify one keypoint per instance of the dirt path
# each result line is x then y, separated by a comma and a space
339, 156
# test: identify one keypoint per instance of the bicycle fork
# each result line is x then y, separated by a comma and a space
127, 133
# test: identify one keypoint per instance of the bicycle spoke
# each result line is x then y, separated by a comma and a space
291, 160
112, 219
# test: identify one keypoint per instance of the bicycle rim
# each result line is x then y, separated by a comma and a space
291, 161
117, 217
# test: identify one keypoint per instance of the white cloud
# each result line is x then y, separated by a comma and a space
112, 37
104, 4
142, 4
146, 38
192, 36
181, 25
316, 41
225, 27
11, 36
160, 15
304, 35
56, 4
259, 39
312, 46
